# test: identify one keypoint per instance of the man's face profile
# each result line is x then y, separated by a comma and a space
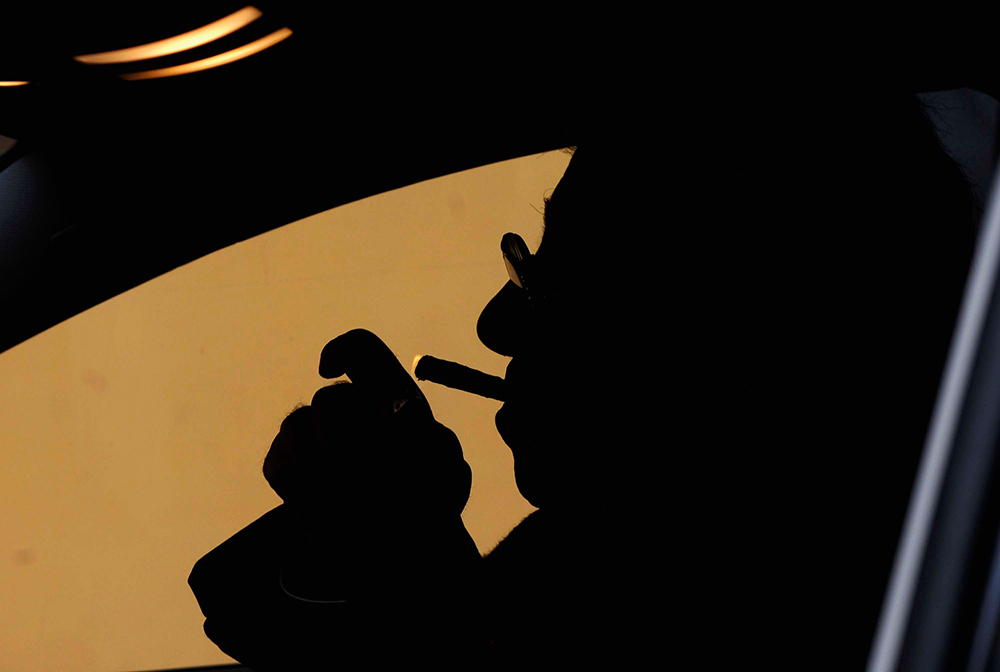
554, 409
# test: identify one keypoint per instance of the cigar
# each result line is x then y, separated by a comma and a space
457, 376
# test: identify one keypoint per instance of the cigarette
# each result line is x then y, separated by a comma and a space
457, 376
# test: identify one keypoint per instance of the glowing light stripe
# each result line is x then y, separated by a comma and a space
2, 83
214, 61
178, 43
897, 606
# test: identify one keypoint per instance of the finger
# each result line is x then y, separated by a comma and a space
292, 449
370, 365
340, 415
275, 469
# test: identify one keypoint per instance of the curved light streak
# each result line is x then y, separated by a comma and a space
214, 61
178, 43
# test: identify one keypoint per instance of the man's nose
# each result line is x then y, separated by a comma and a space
505, 322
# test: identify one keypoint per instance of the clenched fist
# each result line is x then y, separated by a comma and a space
368, 444
370, 473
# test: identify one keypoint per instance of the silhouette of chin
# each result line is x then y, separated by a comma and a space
537, 478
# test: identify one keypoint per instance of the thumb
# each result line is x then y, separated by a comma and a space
374, 369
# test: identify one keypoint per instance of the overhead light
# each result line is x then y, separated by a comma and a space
214, 61
11, 83
173, 45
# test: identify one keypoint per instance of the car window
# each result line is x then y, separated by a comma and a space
134, 433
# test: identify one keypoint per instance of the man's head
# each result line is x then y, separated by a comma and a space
574, 377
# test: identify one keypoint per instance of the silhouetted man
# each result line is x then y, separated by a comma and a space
387, 537
721, 377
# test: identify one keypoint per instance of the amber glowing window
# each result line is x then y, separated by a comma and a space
133, 434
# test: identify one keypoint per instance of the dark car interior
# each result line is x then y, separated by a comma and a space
109, 179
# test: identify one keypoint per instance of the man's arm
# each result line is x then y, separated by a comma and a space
374, 490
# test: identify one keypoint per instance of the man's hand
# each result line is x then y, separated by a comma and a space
368, 468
